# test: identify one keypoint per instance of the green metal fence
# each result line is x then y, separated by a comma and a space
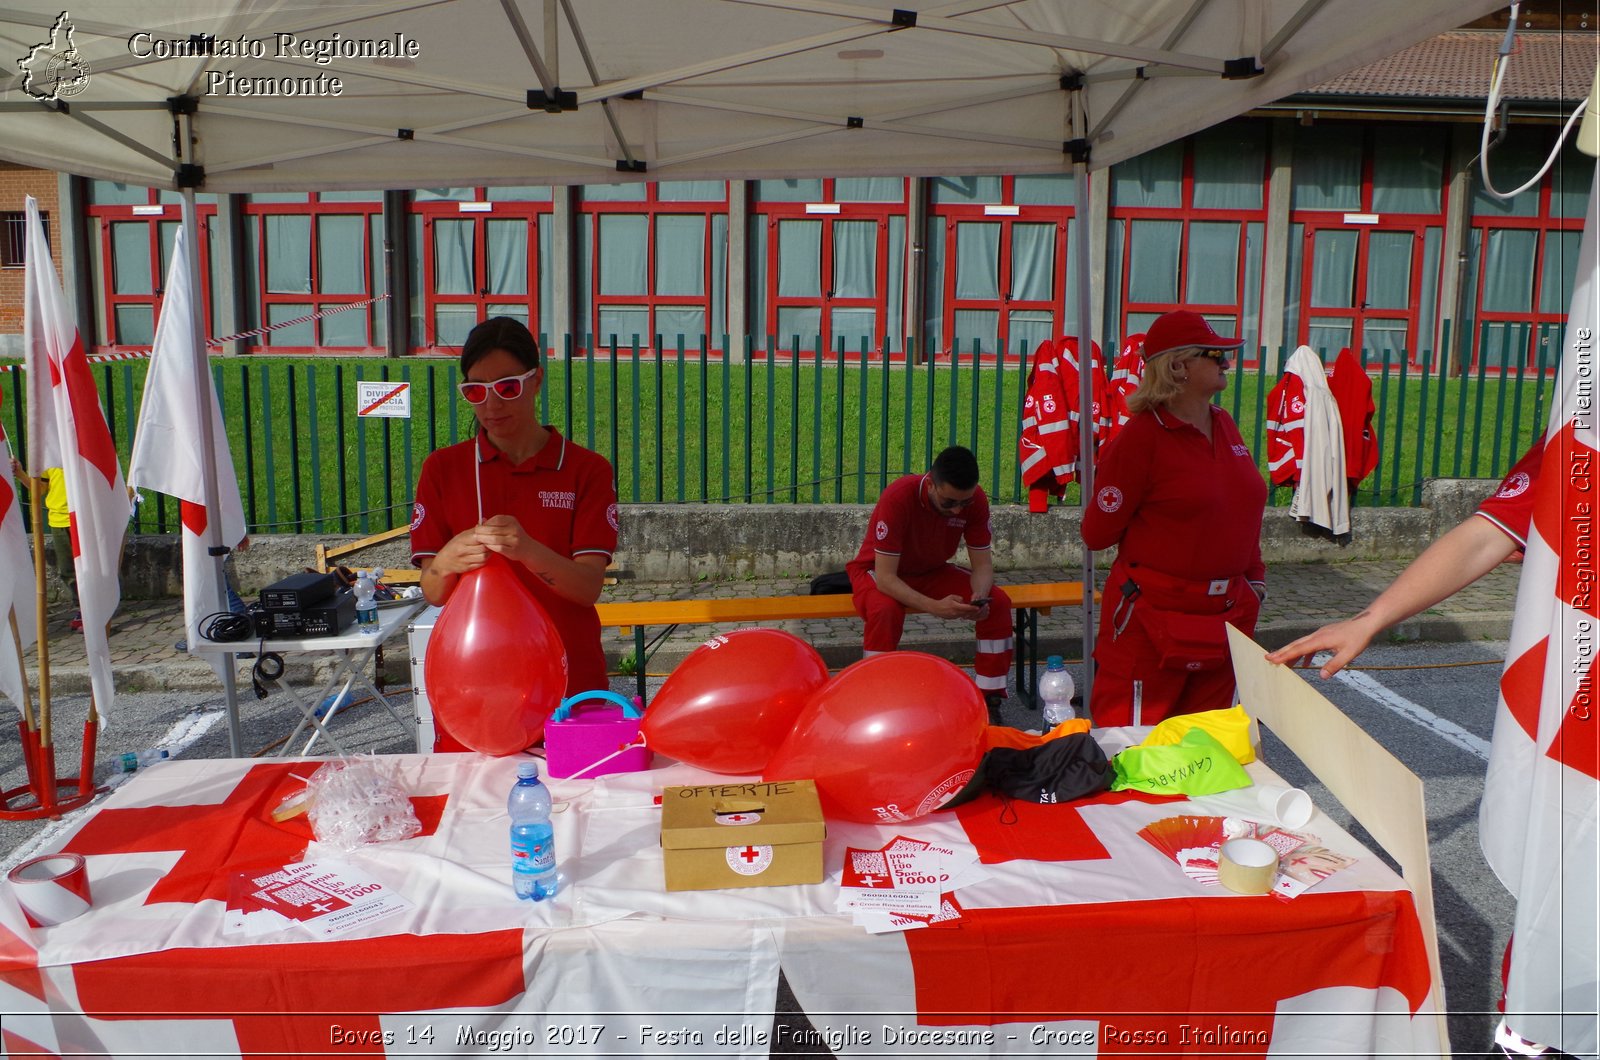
767, 427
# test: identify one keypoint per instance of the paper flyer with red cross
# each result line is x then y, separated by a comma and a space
906, 884
329, 899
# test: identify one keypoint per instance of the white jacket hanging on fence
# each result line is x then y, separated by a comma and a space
1323, 497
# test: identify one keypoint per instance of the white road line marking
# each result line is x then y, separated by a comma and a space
1443, 728
185, 732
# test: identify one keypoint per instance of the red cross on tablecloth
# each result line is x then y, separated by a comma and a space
1017, 830
235, 832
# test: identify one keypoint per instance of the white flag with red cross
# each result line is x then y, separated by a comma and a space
16, 568
1539, 818
167, 448
67, 429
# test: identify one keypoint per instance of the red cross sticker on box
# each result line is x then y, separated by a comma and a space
383, 398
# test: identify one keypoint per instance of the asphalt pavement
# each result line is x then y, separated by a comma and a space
1430, 701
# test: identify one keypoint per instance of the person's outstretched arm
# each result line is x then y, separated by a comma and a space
1450, 564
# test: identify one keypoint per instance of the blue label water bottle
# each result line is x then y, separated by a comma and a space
533, 851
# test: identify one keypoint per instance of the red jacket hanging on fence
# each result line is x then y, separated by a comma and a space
1352, 392
1125, 376
1048, 448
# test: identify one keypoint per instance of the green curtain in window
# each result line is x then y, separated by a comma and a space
452, 257
1045, 189
341, 252
964, 189
869, 189
1327, 168
1508, 271
800, 259
976, 325
130, 252
1407, 170
1153, 179
1213, 274
1229, 163
1389, 270
506, 252
1333, 271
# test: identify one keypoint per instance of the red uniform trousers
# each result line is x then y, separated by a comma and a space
886, 619
1131, 687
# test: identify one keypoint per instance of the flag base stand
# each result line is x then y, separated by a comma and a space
45, 794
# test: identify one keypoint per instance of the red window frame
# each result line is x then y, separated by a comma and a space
952, 215
774, 214
1540, 324
536, 212
146, 213
1187, 214
651, 207
315, 208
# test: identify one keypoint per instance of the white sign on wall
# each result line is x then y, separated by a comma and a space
383, 398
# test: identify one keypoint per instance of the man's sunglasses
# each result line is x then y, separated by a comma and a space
507, 389
953, 505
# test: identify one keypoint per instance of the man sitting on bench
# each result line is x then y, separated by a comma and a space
904, 562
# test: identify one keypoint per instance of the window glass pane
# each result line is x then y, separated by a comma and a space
280, 196
1329, 335
1213, 274
514, 310
452, 323
1570, 177
614, 192
1389, 270
719, 279
520, 193
686, 320
110, 193
1428, 301
978, 260
452, 257
1044, 189
340, 268
1153, 261
1138, 322
1559, 271
169, 235
419, 338
344, 329
622, 254
380, 310
136, 325
800, 259
1229, 166
1253, 236
507, 254
692, 191
806, 190
681, 254
757, 258
801, 322
1512, 162
625, 322
130, 249
1407, 169
869, 189
855, 259
852, 325
349, 196
1508, 271
546, 274
1327, 168
1033, 262
1154, 178
979, 326
965, 189
1291, 307
447, 194
1384, 340
288, 254
1029, 327
294, 335
1333, 272
1504, 345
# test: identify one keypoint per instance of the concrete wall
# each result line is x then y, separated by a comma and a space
685, 543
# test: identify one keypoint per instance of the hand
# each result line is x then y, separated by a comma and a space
1346, 639
953, 607
461, 553
503, 534
982, 604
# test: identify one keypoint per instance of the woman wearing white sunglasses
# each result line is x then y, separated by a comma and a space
520, 489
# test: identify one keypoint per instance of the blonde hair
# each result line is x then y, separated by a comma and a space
1161, 381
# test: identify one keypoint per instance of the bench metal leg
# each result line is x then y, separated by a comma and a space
1027, 639
638, 659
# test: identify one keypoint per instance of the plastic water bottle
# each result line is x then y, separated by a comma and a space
1055, 692
366, 600
133, 761
533, 850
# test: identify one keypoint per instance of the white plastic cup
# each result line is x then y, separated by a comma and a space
1289, 807
51, 888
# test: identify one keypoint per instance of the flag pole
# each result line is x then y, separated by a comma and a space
41, 609
16, 641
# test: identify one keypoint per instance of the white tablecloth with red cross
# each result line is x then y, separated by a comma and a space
1083, 941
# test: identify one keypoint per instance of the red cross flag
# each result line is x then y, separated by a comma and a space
168, 451
16, 564
1539, 802
66, 429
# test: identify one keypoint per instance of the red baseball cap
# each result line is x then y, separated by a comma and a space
1181, 328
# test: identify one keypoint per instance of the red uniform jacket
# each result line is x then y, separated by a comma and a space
1352, 392
1125, 376
1048, 448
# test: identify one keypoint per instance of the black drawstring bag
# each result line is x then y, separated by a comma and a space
1059, 770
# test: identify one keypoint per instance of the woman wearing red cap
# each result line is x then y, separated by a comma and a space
1178, 493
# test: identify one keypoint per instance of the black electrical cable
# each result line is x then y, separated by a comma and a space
268, 667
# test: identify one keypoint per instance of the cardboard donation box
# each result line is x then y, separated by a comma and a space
742, 835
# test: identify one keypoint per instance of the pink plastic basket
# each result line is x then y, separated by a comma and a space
580, 734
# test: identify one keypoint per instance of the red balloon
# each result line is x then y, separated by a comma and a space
729, 705
495, 668
891, 738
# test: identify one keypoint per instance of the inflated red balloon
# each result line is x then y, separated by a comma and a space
495, 668
730, 704
891, 738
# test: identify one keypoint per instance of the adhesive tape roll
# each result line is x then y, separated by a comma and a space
51, 889
1247, 866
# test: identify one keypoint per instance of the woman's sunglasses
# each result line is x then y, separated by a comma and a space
507, 389
1220, 356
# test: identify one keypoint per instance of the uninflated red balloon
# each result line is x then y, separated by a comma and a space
495, 668
730, 704
891, 738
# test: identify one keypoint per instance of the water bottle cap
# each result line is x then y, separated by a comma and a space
1054, 662
528, 769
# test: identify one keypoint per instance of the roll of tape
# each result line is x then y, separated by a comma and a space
51, 888
1247, 866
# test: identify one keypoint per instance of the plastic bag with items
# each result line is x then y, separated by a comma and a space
355, 802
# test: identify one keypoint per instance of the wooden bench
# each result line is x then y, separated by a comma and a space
1028, 601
